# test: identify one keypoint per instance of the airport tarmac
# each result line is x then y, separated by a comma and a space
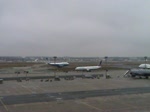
116, 94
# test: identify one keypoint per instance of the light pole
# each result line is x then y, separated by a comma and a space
145, 61
106, 57
55, 57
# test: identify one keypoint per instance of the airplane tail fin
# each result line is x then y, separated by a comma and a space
100, 63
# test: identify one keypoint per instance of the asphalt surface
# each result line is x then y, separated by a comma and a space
48, 97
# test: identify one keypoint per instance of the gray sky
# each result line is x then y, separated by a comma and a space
75, 27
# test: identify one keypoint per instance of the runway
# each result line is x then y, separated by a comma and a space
48, 97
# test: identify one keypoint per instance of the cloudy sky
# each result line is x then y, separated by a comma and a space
74, 27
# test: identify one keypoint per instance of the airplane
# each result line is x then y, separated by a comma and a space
142, 71
56, 64
59, 64
88, 68
147, 66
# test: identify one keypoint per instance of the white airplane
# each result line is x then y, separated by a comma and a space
145, 66
59, 64
89, 68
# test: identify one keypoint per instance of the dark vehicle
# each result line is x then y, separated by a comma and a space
57, 78
1, 81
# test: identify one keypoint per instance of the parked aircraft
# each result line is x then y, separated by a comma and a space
142, 71
144, 66
89, 68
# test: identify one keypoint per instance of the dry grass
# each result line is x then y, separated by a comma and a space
16, 64
72, 66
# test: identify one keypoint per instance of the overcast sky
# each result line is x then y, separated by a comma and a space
74, 28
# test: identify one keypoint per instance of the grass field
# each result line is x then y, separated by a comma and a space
72, 65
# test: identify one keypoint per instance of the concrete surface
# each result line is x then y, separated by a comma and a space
136, 102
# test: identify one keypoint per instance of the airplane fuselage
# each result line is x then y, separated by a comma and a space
60, 64
140, 72
87, 68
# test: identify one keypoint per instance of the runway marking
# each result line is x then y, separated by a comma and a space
90, 105
26, 88
4, 105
